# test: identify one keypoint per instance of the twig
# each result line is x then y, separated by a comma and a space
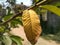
21, 13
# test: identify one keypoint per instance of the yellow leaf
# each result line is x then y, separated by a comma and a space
31, 25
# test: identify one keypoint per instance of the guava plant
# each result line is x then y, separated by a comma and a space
28, 18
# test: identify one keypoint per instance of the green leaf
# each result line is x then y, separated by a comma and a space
2, 29
15, 22
7, 17
57, 3
17, 39
7, 40
52, 8
34, 1
37, 0
37, 9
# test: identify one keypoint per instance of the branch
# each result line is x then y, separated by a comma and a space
37, 4
18, 14
21, 13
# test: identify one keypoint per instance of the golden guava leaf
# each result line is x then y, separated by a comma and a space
31, 25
